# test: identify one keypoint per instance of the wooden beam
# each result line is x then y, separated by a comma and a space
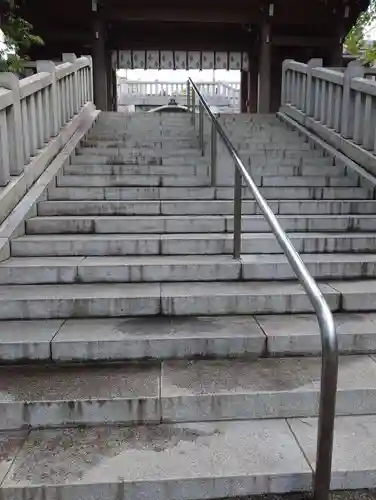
184, 14
302, 41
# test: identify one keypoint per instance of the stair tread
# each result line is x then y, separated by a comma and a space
145, 260
189, 236
110, 339
200, 217
80, 291
181, 378
181, 461
181, 390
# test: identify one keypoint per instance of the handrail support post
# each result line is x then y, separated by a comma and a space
213, 155
194, 109
328, 391
188, 95
237, 213
201, 128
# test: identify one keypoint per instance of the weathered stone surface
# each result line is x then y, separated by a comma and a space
238, 298
80, 301
40, 397
179, 462
27, 340
300, 334
354, 457
157, 338
269, 388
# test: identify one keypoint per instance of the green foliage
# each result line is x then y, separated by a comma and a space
18, 38
356, 42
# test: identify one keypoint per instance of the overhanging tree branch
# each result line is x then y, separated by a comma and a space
18, 37
356, 42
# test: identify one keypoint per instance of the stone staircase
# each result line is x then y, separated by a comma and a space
153, 364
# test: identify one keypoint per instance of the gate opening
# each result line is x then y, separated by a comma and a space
144, 90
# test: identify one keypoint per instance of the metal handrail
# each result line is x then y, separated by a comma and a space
329, 341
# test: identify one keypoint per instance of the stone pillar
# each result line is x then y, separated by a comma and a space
109, 77
243, 92
114, 91
265, 69
253, 80
99, 62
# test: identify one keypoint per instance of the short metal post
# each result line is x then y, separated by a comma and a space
237, 214
194, 108
188, 95
201, 128
213, 155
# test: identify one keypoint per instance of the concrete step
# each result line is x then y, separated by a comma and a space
181, 170
307, 181
152, 141
114, 339
120, 339
320, 266
272, 169
204, 207
357, 296
197, 180
185, 244
205, 193
157, 139
279, 151
267, 145
49, 270
171, 299
188, 461
180, 391
135, 193
195, 224
142, 132
138, 180
141, 159
136, 152
272, 160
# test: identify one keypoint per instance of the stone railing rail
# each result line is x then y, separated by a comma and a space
34, 109
339, 106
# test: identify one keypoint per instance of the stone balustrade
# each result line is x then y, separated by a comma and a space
156, 93
338, 105
33, 110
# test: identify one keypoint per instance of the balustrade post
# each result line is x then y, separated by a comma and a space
4, 149
353, 70
71, 58
49, 67
310, 91
285, 86
91, 79
14, 124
